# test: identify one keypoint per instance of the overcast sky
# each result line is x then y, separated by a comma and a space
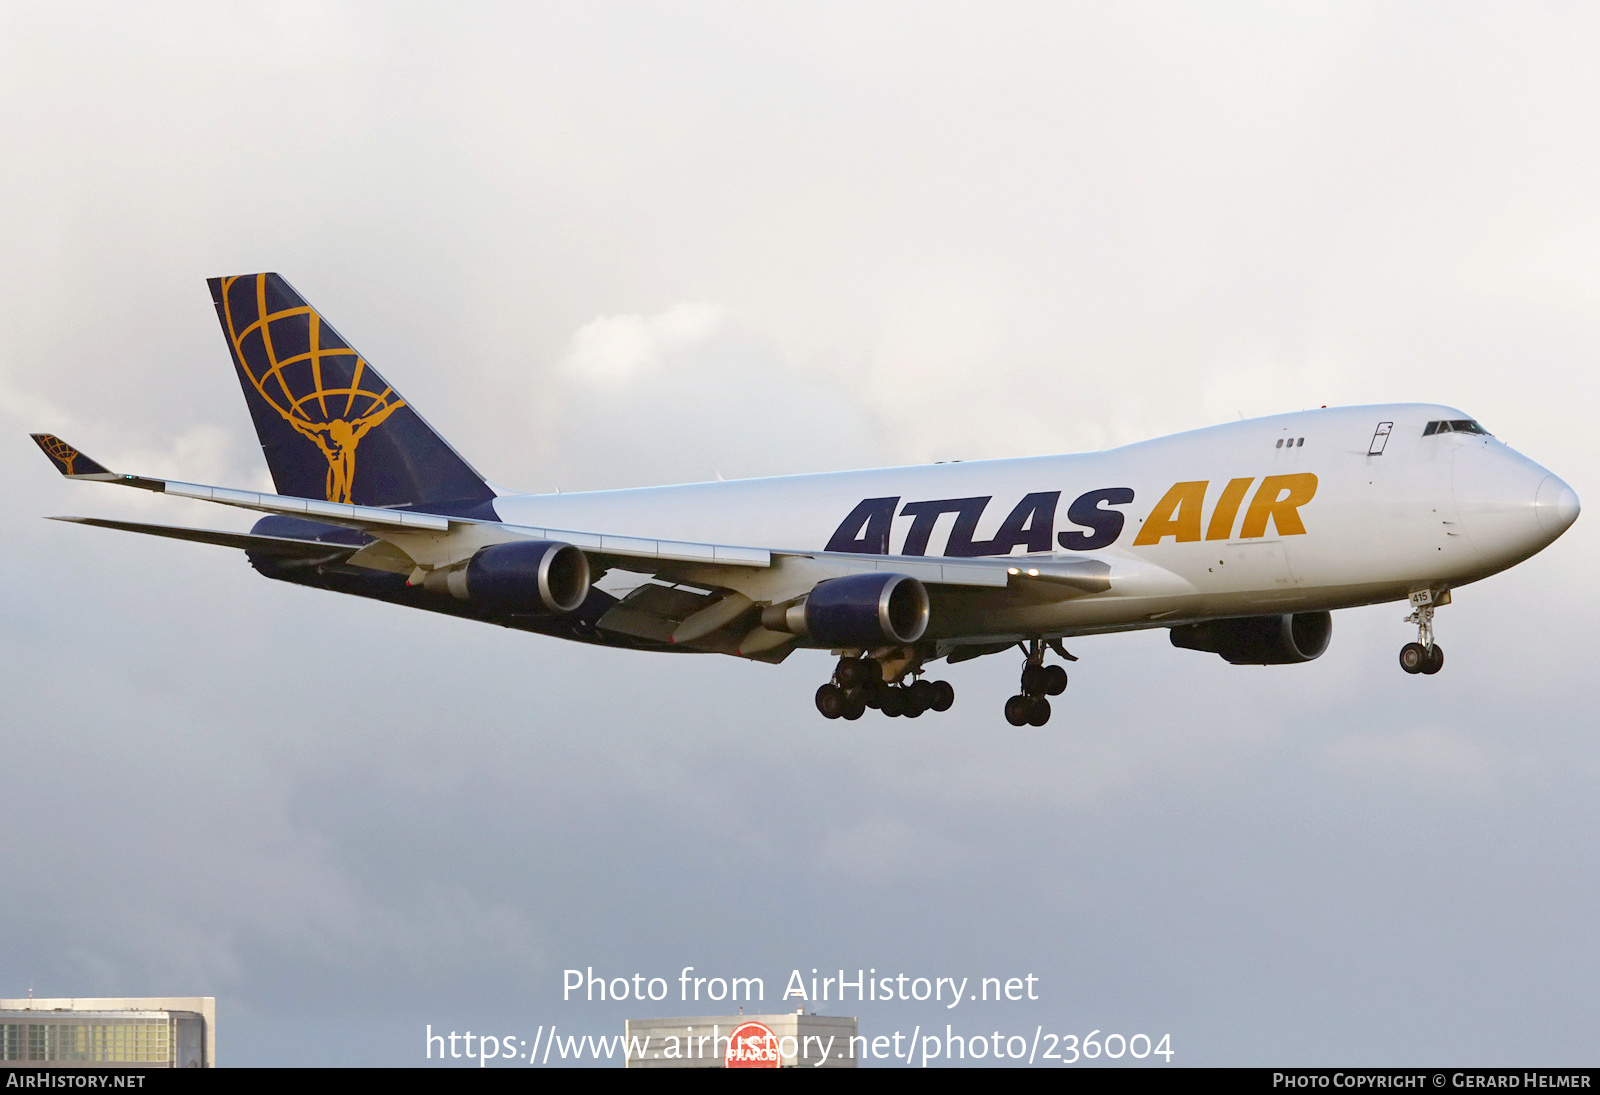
618, 244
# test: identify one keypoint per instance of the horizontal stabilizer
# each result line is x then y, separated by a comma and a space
270, 545
69, 460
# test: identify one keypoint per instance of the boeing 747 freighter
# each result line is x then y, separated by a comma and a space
1240, 539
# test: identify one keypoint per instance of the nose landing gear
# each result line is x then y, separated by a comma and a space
1424, 655
1030, 707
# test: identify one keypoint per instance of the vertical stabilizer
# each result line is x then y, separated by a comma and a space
331, 427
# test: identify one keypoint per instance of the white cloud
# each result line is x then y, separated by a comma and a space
613, 350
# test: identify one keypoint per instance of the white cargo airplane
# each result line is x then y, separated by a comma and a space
1239, 538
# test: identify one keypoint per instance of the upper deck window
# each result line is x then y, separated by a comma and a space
1457, 425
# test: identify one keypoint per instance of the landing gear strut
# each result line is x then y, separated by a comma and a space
1424, 655
1030, 707
858, 683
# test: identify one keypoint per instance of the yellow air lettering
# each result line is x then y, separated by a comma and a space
1176, 515
1280, 498
1221, 526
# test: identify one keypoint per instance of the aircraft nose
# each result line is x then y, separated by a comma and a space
1510, 507
1556, 505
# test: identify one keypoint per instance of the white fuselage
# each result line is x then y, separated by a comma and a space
1296, 512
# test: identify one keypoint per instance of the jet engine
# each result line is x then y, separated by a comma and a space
856, 610
1260, 640
538, 577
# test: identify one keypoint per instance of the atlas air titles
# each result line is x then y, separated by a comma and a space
1097, 518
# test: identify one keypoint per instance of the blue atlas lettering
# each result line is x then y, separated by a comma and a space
1029, 525
866, 530
924, 514
1106, 523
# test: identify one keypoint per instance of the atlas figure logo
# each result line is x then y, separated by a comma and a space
313, 381
1031, 522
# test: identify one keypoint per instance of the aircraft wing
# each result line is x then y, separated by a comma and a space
736, 579
278, 546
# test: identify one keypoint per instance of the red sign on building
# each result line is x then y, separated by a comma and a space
752, 1045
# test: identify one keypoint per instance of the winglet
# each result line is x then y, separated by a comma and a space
72, 463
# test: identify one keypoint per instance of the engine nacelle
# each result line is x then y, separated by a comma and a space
537, 577
857, 610
1260, 640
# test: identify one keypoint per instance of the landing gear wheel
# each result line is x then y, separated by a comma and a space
921, 692
1017, 710
944, 694
831, 701
1035, 680
857, 672
853, 707
892, 702
1055, 680
1435, 660
1414, 656
1038, 711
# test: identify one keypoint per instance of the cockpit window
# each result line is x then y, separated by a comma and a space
1455, 425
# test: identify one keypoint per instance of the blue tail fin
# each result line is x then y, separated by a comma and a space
330, 426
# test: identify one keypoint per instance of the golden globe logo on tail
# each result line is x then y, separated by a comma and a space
333, 416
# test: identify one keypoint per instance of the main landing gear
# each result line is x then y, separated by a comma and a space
858, 684
1424, 655
1030, 707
